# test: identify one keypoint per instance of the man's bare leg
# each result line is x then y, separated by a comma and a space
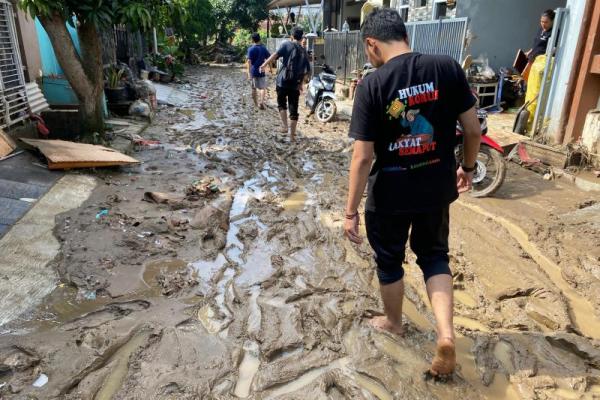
261, 94
392, 296
284, 121
440, 292
293, 125
255, 97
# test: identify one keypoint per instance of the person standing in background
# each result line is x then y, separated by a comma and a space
257, 54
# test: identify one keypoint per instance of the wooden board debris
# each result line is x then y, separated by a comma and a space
69, 155
7, 145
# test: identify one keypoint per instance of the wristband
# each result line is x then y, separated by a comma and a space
352, 216
467, 169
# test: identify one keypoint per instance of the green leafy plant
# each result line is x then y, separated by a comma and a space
113, 77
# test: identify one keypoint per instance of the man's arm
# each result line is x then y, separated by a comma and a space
362, 159
471, 143
248, 67
269, 61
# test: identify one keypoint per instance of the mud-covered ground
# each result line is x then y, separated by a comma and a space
239, 284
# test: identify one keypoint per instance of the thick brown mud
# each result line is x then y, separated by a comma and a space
241, 285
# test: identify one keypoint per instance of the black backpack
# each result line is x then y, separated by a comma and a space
295, 68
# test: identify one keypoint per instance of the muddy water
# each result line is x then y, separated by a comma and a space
582, 311
278, 301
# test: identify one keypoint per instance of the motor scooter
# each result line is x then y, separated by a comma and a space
320, 96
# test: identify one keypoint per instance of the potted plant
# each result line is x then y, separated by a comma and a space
115, 91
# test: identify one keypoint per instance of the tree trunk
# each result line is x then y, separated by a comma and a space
83, 73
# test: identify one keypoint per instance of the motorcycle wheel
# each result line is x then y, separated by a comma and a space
326, 110
489, 173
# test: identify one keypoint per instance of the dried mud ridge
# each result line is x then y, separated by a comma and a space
240, 285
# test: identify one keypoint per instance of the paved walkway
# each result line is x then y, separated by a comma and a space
22, 183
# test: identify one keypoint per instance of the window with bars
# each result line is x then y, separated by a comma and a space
13, 96
420, 3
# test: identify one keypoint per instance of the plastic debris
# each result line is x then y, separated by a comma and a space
40, 381
90, 295
102, 213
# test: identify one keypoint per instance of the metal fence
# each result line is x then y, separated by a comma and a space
13, 95
344, 51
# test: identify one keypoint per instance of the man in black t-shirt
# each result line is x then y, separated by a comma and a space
405, 114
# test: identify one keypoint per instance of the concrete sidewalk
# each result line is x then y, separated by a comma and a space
28, 247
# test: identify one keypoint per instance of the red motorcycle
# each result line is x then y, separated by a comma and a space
490, 167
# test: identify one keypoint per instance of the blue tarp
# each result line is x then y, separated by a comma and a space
50, 64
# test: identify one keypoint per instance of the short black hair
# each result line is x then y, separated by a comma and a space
297, 33
550, 14
384, 24
256, 37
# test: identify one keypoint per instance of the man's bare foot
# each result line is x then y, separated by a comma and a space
444, 362
284, 130
382, 323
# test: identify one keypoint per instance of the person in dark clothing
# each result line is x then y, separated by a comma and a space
405, 117
257, 54
540, 41
289, 88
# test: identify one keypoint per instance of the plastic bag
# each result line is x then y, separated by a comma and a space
140, 108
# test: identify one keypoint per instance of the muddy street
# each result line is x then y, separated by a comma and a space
219, 271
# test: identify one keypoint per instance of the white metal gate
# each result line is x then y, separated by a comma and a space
13, 96
442, 36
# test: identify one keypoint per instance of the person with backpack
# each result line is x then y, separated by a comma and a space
295, 68
257, 54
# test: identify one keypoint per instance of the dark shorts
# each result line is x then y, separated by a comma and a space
429, 232
288, 97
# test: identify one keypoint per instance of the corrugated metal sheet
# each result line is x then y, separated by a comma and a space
344, 51
36, 99
13, 96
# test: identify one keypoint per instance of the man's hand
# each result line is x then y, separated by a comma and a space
464, 180
351, 229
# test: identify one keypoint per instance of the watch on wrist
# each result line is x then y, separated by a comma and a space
468, 169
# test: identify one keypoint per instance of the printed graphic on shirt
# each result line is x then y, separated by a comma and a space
417, 132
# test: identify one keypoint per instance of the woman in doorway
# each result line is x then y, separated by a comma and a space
540, 42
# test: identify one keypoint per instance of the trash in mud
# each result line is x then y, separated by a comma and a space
161, 198
40, 381
102, 213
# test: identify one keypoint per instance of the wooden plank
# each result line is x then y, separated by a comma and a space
595, 69
546, 154
7, 145
68, 155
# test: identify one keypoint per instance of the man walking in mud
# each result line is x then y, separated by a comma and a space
257, 54
295, 68
414, 178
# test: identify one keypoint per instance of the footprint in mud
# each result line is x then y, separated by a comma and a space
110, 312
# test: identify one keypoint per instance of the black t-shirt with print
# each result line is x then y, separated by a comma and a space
409, 108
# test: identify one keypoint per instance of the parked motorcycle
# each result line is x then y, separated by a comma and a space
490, 167
320, 96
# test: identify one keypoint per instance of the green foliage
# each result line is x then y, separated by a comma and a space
113, 77
140, 14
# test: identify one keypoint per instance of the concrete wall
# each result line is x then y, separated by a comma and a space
500, 27
568, 46
28, 45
